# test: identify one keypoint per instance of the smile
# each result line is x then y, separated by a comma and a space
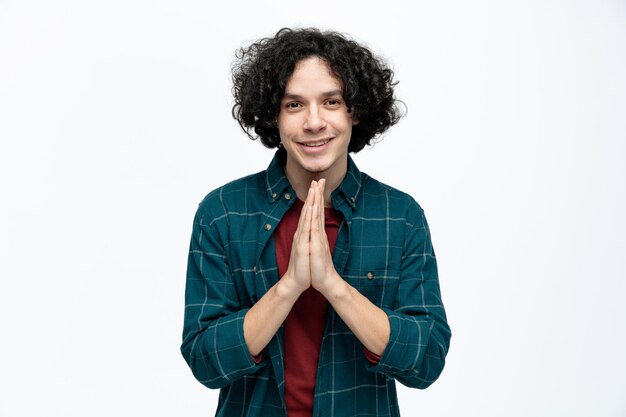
316, 144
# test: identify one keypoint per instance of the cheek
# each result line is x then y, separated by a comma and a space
344, 121
348, 128
287, 127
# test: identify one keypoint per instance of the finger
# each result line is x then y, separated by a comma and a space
309, 196
309, 203
306, 227
316, 207
320, 218
302, 235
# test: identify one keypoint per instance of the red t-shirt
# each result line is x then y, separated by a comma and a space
304, 326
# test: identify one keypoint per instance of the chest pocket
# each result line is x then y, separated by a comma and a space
379, 286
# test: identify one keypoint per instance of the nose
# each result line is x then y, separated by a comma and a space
314, 120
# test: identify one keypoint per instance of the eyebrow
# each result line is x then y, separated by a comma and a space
331, 93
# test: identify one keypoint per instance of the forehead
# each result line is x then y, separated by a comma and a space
312, 74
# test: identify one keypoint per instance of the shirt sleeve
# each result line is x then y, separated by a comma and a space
419, 333
213, 342
371, 356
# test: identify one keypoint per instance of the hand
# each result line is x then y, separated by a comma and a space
323, 273
298, 274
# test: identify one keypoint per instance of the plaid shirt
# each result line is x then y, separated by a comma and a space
383, 249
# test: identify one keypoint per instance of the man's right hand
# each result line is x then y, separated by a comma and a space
297, 278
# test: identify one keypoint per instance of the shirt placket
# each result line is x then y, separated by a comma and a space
267, 276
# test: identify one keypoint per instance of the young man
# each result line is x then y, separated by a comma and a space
312, 287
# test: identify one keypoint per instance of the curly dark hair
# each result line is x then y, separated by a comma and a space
261, 72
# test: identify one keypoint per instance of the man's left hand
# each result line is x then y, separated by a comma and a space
324, 278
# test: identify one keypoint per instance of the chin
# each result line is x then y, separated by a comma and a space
315, 170
316, 167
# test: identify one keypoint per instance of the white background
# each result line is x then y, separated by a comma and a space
115, 122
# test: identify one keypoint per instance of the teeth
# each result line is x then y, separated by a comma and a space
315, 145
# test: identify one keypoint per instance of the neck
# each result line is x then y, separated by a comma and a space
301, 179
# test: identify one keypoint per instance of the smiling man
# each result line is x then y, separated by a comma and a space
311, 287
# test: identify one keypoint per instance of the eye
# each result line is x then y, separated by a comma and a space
292, 105
333, 102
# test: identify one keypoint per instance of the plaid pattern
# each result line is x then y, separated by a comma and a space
383, 249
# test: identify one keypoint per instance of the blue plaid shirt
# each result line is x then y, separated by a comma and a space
383, 249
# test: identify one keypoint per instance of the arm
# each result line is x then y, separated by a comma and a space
420, 335
265, 317
413, 338
220, 337
368, 322
213, 342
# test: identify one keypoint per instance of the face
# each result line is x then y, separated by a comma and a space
314, 123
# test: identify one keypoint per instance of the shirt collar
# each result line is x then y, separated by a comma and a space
277, 183
350, 188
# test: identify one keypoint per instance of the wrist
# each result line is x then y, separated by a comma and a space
287, 288
335, 288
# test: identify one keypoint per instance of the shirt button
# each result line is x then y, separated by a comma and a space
370, 275
267, 226
353, 199
273, 195
254, 269
287, 196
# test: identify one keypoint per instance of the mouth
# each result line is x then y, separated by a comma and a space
316, 144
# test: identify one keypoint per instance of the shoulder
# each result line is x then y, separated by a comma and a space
233, 196
396, 201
